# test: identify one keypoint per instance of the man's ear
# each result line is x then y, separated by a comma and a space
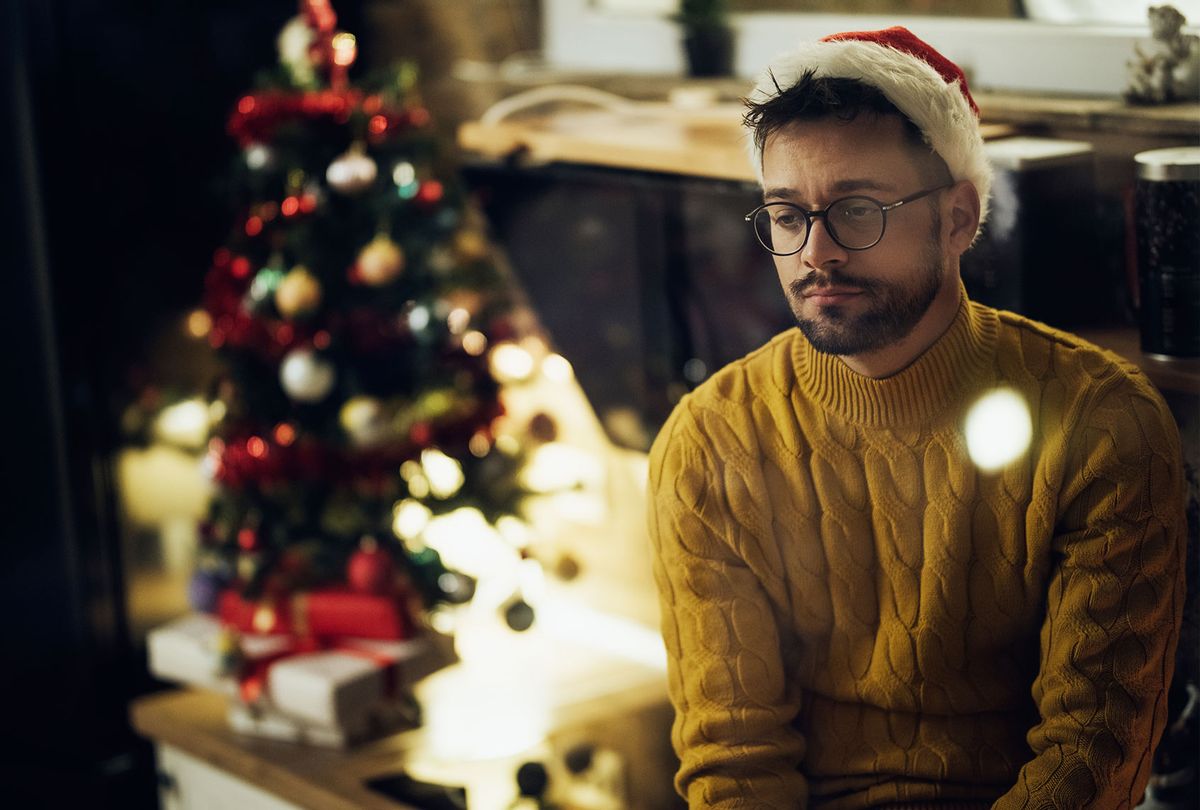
963, 221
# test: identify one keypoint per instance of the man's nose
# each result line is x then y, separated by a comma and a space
821, 250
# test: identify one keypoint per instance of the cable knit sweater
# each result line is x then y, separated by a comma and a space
856, 616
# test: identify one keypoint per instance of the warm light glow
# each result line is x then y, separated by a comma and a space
377, 125
557, 368
254, 226
514, 531
998, 429
290, 206
444, 473
474, 343
345, 49
264, 619
479, 444
285, 434
256, 447
556, 466
418, 486
466, 542
458, 320
575, 623
184, 424
409, 519
199, 323
510, 363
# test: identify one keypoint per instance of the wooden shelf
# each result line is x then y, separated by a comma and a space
1179, 375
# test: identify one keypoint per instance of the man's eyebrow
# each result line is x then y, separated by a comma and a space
840, 187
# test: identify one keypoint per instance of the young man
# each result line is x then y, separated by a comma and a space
857, 613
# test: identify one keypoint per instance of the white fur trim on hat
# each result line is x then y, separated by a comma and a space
937, 107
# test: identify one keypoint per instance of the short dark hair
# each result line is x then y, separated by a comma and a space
816, 97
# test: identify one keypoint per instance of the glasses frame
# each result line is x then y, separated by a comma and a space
809, 216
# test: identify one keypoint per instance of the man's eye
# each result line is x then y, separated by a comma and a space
787, 220
857, 211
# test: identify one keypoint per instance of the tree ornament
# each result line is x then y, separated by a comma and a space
518, 614
380, 262
542, 427
305, 376
204, 589
370, 569
298, 294
259, 156
352, 171
295, 43
470, 245
363, 419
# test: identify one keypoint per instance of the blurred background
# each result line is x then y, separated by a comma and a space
629, 280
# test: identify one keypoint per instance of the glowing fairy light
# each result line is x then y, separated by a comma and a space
445, 474
510, 363
557, 368
184, 424
410, 518
998, 429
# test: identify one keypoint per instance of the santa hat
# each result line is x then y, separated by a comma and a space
924, 85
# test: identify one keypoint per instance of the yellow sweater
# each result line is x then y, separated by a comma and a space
856, 616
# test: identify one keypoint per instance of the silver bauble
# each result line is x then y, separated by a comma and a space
305, 376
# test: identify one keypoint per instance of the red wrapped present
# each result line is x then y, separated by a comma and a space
324, 614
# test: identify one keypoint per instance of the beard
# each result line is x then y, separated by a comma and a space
894, 308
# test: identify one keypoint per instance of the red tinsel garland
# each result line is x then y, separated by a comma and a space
258, 115
257, 459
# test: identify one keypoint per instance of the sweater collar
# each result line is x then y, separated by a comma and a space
955, 363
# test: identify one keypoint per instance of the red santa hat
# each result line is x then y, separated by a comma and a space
924, 85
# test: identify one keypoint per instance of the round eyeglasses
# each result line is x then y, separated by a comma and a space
855, 223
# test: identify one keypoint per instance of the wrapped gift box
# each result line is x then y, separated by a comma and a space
186, 651
327, 613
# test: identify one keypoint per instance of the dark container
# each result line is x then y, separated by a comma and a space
1167, 223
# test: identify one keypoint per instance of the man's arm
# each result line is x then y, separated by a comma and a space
733, 697
1112, 613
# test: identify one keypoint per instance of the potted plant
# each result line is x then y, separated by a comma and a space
707, 36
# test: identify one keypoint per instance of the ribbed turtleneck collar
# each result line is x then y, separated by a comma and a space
956, 362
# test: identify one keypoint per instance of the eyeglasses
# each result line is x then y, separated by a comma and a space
855, 223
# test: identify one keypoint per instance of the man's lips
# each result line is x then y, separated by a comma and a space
831, 295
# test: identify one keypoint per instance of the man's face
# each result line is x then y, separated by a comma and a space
856, 302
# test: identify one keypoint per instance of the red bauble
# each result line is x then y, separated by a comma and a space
370, 569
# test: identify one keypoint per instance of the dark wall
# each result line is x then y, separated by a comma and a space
111, 137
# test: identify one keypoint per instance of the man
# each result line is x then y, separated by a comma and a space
857, 612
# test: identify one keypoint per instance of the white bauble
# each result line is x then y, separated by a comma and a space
305, 376
352, 171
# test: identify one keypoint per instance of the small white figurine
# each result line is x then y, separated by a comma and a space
1170, 69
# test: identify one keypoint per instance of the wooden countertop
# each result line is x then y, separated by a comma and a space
646, 136
549, 687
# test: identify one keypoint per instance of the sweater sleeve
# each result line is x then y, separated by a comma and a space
1113, 611
734, 704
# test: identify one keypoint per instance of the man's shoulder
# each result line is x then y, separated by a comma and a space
768, 370
721, 405
1057, 357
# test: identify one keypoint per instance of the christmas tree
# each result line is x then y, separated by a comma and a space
358, 308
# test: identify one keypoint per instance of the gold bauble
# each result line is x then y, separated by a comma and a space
380, 262
298, 294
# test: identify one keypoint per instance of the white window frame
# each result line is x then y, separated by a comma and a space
1001, 55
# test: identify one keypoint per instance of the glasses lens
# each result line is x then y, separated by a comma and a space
856, 222
781, 228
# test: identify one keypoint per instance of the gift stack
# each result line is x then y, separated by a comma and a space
331, 667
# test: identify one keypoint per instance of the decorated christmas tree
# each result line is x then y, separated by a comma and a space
358, 309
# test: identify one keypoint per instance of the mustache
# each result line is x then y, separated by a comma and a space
830, 278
